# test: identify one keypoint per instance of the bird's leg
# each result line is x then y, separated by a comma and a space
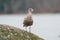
26, 28
30, 32
29, 29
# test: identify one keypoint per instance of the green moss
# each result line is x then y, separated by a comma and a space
12, 33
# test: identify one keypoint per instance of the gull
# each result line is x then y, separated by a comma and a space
28, 21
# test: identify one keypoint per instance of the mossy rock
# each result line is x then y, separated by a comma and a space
11, 33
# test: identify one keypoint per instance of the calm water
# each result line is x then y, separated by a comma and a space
45, 26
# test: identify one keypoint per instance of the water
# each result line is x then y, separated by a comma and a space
45, 26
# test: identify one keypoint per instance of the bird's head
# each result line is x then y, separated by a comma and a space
30, 10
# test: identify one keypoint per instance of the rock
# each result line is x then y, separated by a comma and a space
11, 33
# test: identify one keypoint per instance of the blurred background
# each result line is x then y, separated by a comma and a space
46, 26
21, 6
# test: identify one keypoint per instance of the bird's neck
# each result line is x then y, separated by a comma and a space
29, 12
